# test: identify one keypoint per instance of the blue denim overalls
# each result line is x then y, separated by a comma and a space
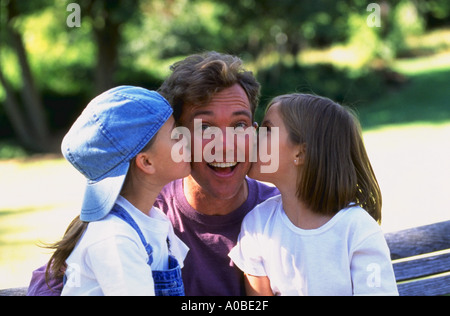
167, 282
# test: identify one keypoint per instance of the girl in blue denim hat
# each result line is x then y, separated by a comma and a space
120, 244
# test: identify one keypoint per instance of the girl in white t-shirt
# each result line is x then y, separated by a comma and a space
320, 236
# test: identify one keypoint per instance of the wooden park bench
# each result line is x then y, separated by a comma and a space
421, 259
420, 256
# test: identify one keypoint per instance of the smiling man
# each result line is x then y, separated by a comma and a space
207, 207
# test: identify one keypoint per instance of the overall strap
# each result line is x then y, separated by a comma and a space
121, 213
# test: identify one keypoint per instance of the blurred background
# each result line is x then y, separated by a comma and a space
390, 62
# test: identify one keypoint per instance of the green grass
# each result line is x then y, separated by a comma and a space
424, 98
10, 149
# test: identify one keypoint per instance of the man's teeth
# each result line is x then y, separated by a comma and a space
223, 164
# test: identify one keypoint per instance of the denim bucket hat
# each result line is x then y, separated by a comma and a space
113, 128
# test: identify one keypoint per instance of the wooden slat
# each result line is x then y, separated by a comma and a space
419, 240
20, 291
439, 285
417, 268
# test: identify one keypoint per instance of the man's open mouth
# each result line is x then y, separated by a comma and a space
223, 167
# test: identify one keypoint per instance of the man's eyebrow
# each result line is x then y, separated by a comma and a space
210, 113
201, 112
243, 112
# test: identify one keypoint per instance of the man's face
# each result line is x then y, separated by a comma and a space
228, 108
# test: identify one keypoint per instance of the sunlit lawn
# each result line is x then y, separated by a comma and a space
412, 166
38, 201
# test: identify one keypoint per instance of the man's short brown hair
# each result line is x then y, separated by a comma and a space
198, 77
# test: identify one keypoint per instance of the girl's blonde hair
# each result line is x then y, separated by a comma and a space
337, 170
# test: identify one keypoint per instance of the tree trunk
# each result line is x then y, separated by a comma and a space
107, 39
31, 98
31, 124
14, 115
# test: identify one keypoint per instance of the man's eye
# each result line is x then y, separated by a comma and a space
209, 130
241, 124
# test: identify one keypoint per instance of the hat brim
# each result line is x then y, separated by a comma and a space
100, 196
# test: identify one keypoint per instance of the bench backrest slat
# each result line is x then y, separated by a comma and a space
422, 267
421, 259
419, 240
426, 287
19, 291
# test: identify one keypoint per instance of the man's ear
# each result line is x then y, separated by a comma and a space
145, 163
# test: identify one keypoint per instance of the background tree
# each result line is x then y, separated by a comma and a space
29, 120
49, 71
107, 17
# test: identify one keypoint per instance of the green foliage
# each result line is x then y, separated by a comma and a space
423, 100
10, 149
325, 80
62, 58
406, 21
152, 34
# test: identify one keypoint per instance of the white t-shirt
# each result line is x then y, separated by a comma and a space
110, 258
346, 256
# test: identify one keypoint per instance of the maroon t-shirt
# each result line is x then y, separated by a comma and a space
207, 268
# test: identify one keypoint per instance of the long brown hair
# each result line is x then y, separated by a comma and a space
56, 266
337, 170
